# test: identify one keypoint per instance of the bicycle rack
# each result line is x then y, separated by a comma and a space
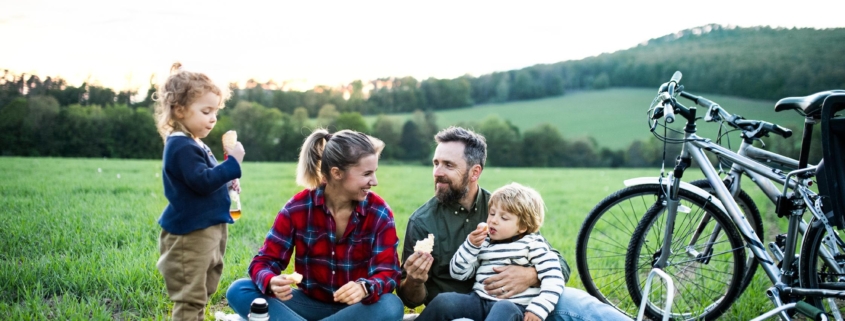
670, 296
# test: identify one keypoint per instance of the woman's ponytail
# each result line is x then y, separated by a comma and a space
308, 169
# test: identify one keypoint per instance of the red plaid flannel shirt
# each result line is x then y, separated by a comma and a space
365, 252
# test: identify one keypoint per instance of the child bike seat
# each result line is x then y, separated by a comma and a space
831, 174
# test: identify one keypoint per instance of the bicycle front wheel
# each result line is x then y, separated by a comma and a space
706, 260
606, 231
822, 266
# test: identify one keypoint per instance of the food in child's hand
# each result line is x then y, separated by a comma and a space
230, 138
425, 245
295, 277
483, 226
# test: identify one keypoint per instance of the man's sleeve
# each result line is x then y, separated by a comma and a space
413, 233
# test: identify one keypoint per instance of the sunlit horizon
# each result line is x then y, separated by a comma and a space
304, 44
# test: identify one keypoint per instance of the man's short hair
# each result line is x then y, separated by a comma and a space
475, 146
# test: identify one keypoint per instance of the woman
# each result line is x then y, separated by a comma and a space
343, 235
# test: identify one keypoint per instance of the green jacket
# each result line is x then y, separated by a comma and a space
450, 224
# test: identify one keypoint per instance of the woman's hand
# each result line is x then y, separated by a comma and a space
477, 236
350, 293
280, 286
529, 316
510, 280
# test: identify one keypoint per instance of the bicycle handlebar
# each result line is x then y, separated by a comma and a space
698, 100
668, 100
676, 77
755, 128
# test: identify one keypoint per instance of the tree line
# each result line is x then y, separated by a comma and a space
40, 126
49, 117
760, 62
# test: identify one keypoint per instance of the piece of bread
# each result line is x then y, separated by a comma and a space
230, 138
296, 277
483, 225
425, 245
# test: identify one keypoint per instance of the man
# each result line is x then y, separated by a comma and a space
458, 206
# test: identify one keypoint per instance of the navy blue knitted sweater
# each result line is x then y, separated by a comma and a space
195, 185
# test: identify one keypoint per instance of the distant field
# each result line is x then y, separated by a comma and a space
79, 242
614, 117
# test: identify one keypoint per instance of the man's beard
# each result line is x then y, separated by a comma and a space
453, 194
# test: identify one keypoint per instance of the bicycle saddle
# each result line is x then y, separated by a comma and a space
811, 104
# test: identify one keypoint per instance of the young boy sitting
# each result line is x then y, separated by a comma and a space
508, 237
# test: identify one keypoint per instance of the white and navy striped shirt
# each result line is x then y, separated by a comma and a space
530, 250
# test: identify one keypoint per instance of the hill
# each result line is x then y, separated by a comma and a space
591, 97
613, 117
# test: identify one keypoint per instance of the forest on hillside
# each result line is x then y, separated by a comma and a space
49, 117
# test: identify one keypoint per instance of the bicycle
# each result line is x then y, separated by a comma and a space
706, 248
600, 255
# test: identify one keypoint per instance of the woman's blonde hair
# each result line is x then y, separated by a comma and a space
522, 201
321, 151
177, 93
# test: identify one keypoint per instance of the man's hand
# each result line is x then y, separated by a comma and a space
417, 266
412, 287
477, 236
510, 280
280, 286
529, 316
350, 293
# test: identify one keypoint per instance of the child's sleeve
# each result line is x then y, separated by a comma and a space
551, 279
191, 169
465, 261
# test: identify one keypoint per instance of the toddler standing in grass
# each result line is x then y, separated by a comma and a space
194, 223
515, 215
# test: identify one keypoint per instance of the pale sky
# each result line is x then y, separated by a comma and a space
120, 44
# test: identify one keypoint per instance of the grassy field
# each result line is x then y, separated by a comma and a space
614, 117
79, 236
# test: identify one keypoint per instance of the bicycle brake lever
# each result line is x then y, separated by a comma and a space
709, 116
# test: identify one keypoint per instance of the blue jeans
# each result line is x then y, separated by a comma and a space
451, 306
577, 305
573, 305
301, 307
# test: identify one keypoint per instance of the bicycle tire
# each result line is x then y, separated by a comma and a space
814, 272
600, 256
707, 285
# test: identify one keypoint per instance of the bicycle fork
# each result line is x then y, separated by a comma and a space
673, 202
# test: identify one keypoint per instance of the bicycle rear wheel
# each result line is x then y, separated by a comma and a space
707, 282
819, 253
606, 231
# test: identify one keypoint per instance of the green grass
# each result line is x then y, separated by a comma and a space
614, 117
82, 244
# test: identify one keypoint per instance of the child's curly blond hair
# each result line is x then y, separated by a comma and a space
177, 93
522, 201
